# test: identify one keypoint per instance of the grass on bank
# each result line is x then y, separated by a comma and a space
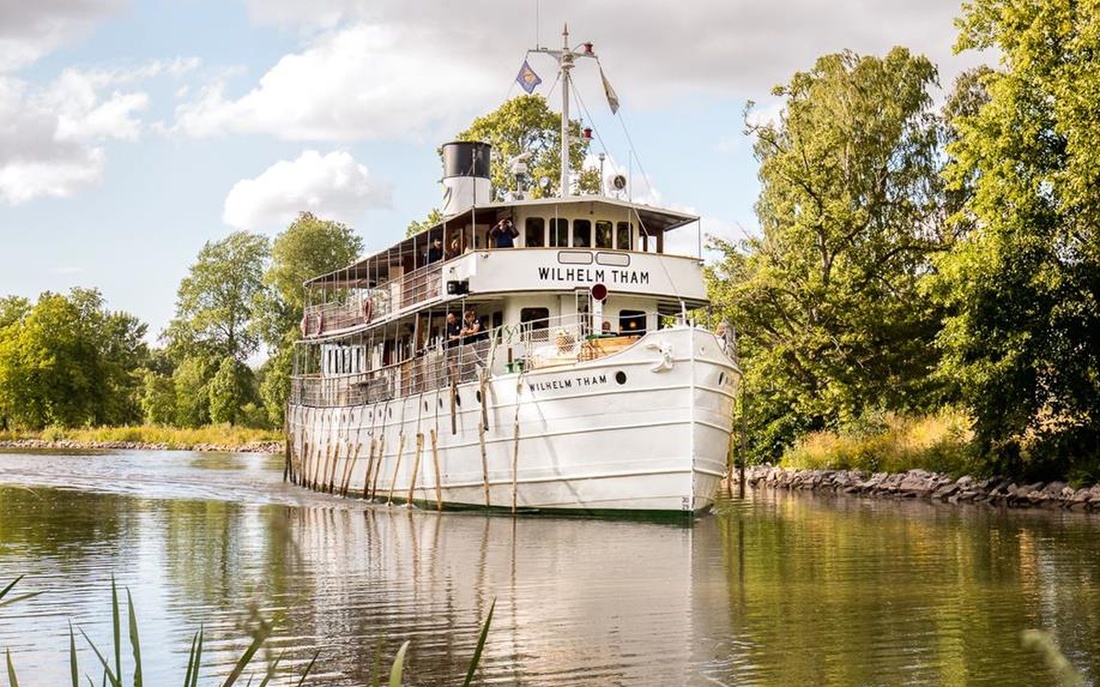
173, 437
891, 443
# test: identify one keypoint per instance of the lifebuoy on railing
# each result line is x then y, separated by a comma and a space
320, 324
368, 310
305, 325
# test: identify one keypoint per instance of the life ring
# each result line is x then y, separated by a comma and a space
320, 324
368, 310
304, 326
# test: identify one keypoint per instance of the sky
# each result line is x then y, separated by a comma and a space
132, 132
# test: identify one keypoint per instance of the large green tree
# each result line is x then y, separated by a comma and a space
310, 246
525, 124
68, 361
215, 303
826, 300
1023, 285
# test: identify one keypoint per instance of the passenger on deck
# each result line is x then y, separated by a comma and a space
435, 252
725, 336
471, 327
503, 234
454, 330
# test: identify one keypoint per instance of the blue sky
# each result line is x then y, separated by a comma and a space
134, 131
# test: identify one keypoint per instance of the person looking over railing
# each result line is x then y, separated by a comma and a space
471, 327
503, 234
453, 331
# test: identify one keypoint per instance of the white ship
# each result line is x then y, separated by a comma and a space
586, 386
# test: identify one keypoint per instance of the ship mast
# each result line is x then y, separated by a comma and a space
565, 58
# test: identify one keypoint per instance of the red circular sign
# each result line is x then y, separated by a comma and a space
599, 291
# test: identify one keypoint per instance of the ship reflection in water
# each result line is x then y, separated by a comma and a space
775, 589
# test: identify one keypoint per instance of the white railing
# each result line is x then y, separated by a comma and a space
533, 345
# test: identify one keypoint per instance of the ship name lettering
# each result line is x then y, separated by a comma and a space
590, 275
559, 384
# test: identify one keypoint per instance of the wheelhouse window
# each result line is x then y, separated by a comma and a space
582, 233
631, 322
559, 232
534, 233
604, 234
624, 236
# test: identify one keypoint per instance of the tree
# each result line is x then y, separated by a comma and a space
190, 382
230, 389
1023, 285
309, 247
68, 361
827, 302
434, 217
215, 302
525, 124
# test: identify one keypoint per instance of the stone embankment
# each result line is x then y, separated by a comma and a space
930, 486
70, 445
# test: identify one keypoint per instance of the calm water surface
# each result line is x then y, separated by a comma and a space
773, 589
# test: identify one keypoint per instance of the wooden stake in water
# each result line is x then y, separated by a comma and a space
416, 466
435, 459
396, 466
515, 444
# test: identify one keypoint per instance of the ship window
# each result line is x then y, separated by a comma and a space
624, 236
632, 322
603, 235
559, 232
534, 234
535, 321
582, 233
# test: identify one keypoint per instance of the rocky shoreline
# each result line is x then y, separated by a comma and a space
69, 445
929, 486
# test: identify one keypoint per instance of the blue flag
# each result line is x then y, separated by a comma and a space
527, 78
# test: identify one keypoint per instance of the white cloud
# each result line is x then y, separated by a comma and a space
22, 180
50, 136
333, 186
355, 83
420, 69
29, 30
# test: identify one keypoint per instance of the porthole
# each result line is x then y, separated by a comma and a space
389, 412
620, 377
477, 395
425, 406
721, 378
440, 402
458, 399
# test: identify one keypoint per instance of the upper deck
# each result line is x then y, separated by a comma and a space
563, 244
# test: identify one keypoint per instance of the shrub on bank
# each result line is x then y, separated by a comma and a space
171, 437
888, 442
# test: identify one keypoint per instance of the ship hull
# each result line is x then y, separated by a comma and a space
645, 430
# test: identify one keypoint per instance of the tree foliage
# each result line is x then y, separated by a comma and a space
827, 301
215, 302
1023, 285
525, 124
310, 246
230, 390
68, 361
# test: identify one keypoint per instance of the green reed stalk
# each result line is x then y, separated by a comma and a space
480, 645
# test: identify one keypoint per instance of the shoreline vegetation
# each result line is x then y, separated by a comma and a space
214, 438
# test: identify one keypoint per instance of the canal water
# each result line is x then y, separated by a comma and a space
772, 589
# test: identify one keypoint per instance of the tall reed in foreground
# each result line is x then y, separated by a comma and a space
113, 669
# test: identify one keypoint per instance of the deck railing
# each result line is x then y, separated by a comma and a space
356, 307
535, 345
